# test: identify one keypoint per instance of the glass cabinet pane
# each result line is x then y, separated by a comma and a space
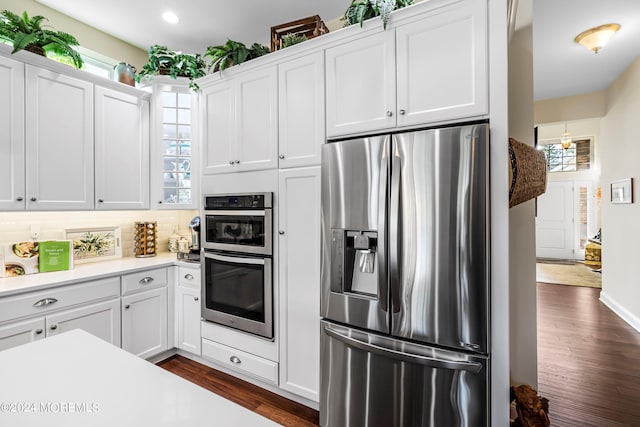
169, 115
169, 131
184, 100
184, 131
184, 116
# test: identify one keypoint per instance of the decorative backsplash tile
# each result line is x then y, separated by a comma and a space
16, 226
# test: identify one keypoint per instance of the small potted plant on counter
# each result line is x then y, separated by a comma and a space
163, 61
361, 10
24, 32
233, 53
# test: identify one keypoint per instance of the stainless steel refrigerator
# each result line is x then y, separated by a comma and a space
405, 279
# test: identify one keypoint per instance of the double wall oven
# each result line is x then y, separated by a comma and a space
237, 265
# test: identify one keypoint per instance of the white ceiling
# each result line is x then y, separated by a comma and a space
561, 67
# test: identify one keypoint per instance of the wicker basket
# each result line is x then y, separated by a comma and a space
309, 27
527, 174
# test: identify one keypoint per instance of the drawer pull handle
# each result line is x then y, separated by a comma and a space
126, 307
54, 327
45, 301
402, 112
235, 360
19, 199
39, 331
145, 280
188, 276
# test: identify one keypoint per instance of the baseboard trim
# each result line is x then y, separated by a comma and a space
620, 311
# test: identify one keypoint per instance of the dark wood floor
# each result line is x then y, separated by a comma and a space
588, 359
267, 404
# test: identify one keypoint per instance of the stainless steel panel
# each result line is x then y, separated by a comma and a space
374, 380
354, 188
439, 237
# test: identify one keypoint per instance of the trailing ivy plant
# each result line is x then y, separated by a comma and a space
361, 10
164, 61
292, 38
28, 33
233, 53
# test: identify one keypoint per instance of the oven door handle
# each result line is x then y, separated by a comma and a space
236, 213
236, 260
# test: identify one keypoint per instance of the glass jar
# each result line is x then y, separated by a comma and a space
124, 73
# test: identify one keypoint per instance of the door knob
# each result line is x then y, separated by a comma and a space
281, 232
19, 199
126, 307
231, 162
389, 113
54, 327
281, 156
33, 199
100, 201
39, 331
237, 162
402, 112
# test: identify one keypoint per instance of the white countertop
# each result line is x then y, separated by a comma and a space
76, 379
84, 272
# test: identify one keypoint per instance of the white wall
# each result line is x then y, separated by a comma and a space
621, 223
588, 105
522, 271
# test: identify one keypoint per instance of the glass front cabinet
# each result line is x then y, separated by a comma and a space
174, 151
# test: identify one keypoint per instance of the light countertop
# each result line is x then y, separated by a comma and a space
76, 379
85, 272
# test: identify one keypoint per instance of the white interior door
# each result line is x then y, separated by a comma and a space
555, 222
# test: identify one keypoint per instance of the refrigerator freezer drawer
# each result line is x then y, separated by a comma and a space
374, 380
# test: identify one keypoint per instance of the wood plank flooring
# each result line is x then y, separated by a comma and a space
588, 360
265, 403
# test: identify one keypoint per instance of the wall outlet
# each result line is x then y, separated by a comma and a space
35, 232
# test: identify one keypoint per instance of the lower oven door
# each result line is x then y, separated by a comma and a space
237, 292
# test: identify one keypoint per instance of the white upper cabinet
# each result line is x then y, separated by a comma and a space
240, 123
12, 172
59, 141
442, 65
301, 111
361, 78
422, 70
121, 150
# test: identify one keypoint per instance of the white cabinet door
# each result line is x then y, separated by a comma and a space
361, 79
218, 128
301, 111
121, 150
101, 319
18, 333
12, 172
440, 80
299, 281
144, 323
59, 141
188, 318
257, 120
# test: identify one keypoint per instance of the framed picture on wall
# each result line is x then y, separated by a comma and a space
622, 191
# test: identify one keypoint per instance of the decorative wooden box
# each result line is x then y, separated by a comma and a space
310, 27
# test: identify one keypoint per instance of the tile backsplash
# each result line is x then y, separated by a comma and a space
17, 226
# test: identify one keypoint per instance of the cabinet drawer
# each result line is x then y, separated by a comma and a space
43, 302
189, 277
144, 280
240, 361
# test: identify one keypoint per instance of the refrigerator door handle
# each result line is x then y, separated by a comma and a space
395, 231
383, 198
473, 367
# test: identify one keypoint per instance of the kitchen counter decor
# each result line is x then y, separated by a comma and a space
95, 244
145, 237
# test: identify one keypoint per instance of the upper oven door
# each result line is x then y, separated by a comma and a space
248, 231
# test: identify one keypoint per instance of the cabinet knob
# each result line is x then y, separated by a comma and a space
19, 199
100, 201
231, 162
188, 276
402, 112
54, 327
235, 359
127, 307
389, 113
159, 202
39, 331
196, 299
236, 162
33, 199
281, 156
281, 232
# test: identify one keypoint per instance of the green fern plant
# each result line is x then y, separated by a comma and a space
24, 32
233, 53
292, 38
361, 10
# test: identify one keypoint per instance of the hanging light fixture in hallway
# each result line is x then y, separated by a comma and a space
565, 138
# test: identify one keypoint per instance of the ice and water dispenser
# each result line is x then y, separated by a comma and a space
354, 255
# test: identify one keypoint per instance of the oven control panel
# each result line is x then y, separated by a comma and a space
239, 201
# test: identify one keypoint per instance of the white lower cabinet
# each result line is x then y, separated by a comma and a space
241, 361
144, 322
18, 333
100, 319
299, 281
188, 310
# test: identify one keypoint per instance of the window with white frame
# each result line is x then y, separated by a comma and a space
577, 157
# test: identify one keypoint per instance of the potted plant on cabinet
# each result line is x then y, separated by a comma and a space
233, 53
24, 32
163, 61
361, 10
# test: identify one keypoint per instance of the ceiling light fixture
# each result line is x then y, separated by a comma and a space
595, 38
565, 138
170, 17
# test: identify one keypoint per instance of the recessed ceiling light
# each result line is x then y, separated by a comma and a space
170, 17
